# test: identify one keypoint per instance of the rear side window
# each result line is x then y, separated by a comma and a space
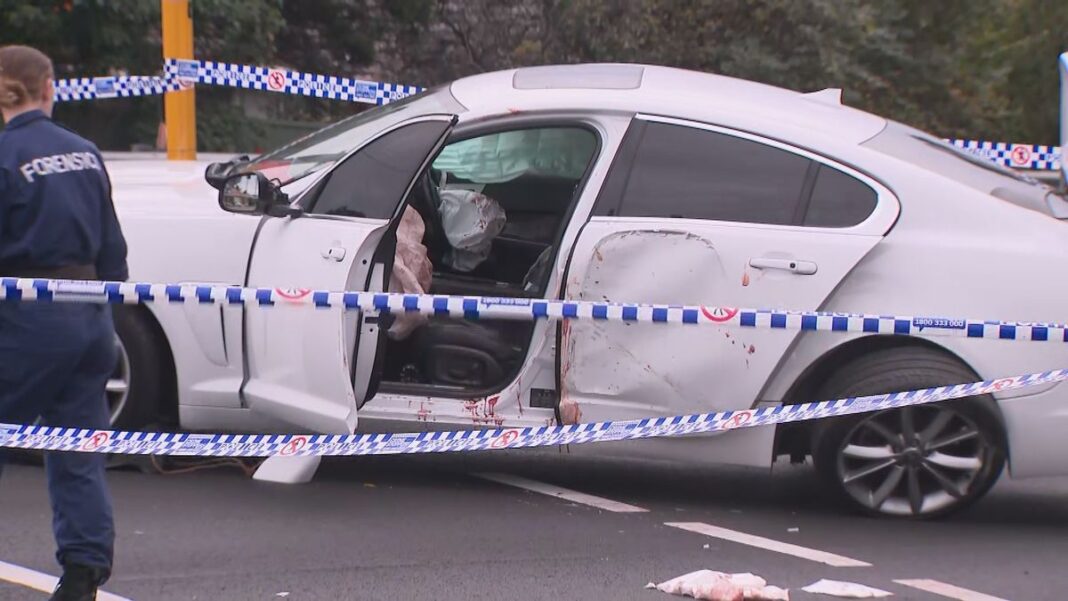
684, 172
839, 200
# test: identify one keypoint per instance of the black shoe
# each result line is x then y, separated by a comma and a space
78, 583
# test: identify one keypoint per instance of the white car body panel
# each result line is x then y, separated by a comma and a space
177, 234
299, 359
743, 105
986, 257
993, 253
615, 369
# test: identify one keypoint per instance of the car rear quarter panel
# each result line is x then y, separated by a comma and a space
956, 252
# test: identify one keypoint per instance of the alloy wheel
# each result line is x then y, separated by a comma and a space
914, 461
118, 385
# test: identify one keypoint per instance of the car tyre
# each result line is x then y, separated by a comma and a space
917, 462
137, 388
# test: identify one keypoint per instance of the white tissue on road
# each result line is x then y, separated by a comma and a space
851, 590
710, 585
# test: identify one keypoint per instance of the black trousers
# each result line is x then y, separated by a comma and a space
55, 360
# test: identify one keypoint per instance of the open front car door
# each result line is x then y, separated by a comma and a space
312, 367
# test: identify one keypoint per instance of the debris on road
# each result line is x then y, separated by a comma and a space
710, 585
851, 590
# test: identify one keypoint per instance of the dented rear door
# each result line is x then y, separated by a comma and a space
699, 215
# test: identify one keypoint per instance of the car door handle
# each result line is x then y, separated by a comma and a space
791, 265
336, 253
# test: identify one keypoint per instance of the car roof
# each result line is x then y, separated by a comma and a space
666, 91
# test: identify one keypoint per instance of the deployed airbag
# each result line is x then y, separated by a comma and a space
502, 157
471, 221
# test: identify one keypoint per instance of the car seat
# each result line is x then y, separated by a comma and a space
463, 353
477, 355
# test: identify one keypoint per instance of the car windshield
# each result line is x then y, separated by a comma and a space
323, 148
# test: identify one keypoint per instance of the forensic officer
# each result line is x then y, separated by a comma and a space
57, 221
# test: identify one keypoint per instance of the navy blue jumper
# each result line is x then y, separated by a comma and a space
55, 359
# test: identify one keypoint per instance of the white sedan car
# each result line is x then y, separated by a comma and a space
623, 183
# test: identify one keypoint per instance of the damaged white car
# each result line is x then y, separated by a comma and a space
620, 183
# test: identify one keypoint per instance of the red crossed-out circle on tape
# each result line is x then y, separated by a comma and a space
293, 446
276, 80
719, 314
292, 294
1002, 384
1021, 155
738, 420
97, 440
505, 439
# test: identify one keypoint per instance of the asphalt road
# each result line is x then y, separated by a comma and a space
431, 528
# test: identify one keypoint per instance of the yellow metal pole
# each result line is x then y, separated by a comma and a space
180, 109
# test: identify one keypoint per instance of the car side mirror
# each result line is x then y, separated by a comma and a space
254, 194
216, 173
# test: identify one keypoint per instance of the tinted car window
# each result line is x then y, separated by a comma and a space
323, 148
693, 173
839, 200
371, 182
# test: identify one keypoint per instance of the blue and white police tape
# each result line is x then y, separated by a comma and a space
180, 74
267, 445
1018, 156
480, 307
120, 86
286, 81
183, 74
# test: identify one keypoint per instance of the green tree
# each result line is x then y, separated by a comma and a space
952, 67
107, 37
1021, 63
962, 68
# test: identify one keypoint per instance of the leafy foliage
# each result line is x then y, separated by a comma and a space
968, 68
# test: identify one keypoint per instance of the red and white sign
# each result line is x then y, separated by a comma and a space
97, 440
276, 80
505, 439
738, 420
719, 314
293, 446
293, 295
1021, 155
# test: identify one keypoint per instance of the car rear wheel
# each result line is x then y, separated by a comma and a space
137, 389
915, 462
118, 386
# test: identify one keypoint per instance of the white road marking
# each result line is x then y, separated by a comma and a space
562, 493
830, 559
948, 590
41, 582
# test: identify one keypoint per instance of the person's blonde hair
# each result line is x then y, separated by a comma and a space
24, 72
